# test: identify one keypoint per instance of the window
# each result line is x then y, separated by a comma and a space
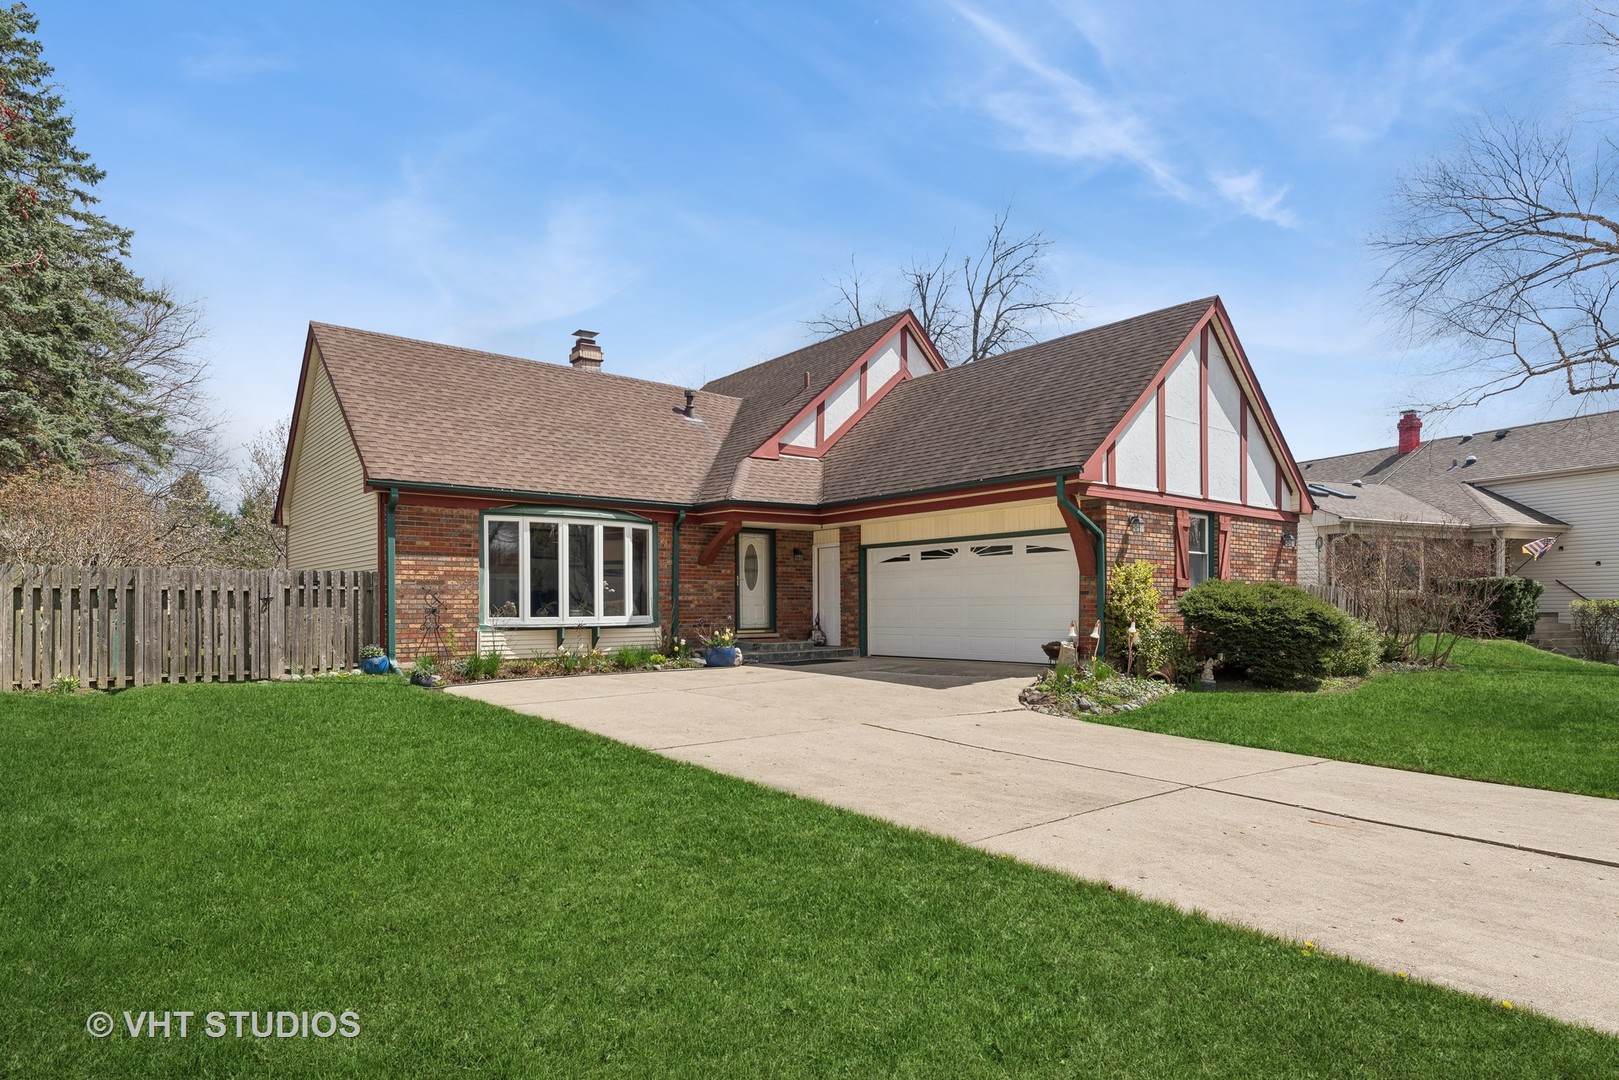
992, 549
1197, 548
938, 553
555, 572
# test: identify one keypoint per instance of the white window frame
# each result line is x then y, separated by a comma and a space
523, 521
1207, 554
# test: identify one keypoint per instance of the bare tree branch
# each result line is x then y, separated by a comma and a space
982, 305
1508, 249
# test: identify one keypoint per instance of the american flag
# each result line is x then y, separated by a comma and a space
1536, 548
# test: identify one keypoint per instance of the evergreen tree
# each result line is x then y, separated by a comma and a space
68, 300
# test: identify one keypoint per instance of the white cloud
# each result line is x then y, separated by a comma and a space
1061, 115
1248, 193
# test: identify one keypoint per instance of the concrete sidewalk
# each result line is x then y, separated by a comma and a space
1507, 892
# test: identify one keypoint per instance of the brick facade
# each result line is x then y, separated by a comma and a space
1257, 553
437, 557
437, 553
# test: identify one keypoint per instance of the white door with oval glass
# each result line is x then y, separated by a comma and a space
755, 581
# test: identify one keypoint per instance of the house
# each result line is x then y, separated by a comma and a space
908, 508
1501, 489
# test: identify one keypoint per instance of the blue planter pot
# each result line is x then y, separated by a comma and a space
375, 665
721, 656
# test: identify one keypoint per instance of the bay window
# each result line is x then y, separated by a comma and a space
549, 571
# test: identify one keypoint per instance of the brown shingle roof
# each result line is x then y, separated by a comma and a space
772, 393
1046, 407
435, 414
1438, 474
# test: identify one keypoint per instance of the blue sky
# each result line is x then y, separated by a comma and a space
686, 178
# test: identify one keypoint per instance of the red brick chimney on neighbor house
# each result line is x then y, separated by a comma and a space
1410, 431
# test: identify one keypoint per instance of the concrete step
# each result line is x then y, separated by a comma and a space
791, 652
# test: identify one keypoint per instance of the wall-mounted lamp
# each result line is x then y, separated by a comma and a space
798, 554
1137, 525
1320, 542
1290, 541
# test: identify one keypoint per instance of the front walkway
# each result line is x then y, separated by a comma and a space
1507, 892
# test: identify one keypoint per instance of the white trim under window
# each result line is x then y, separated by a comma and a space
556, 571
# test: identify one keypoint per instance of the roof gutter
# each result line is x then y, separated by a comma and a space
674, 588
393, 589
1072, 509
511, 493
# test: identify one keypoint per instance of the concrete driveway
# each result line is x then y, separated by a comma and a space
1506, 892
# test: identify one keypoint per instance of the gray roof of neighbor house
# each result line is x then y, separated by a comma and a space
1043, 408
1439, 476
429, 414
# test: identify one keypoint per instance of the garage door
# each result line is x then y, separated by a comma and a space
996, 599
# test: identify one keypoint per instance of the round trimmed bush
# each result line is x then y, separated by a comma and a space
1279, 635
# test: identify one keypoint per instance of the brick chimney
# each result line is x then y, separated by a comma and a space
585, 355
1410, 429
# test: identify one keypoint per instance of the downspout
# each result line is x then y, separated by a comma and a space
674, 586
393, 591
1071, 507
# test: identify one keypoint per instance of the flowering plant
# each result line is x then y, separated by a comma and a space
723, 638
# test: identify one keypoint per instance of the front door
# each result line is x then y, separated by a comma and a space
755, 581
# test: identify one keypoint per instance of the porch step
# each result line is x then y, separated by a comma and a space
791, 652
1554, 635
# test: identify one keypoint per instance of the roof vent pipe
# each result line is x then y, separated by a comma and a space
691, 396
585, 355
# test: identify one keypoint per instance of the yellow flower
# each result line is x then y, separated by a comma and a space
1506, 1004
1402, 974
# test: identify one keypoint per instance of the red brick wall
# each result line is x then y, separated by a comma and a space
795, 584
1256, 551
708, 593
436, 554
849, 591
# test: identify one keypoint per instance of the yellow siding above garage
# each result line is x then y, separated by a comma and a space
1034, 515
331, 519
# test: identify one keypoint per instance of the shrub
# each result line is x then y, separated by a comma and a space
476, 667
632, 657
1359, 653
1131, 597
1514, 604
1281, 635
1164, 648
1597, 624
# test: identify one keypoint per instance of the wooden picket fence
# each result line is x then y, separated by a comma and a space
112, 627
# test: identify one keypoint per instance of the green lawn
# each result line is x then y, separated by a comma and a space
498, 895
1507, 713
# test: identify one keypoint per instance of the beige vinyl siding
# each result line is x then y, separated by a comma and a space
1309, 556
1031, 516
521, 644
331, 518
1589, 502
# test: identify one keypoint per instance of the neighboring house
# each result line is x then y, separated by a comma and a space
911, 509
1500, 488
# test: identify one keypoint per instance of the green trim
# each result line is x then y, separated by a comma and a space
523, 496
860, 593
737, 578
1101, 560
674, 585
965, 539
393, 584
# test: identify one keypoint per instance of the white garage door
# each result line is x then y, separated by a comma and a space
996, 599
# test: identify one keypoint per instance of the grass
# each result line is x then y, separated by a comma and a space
1507, 713
498, 895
